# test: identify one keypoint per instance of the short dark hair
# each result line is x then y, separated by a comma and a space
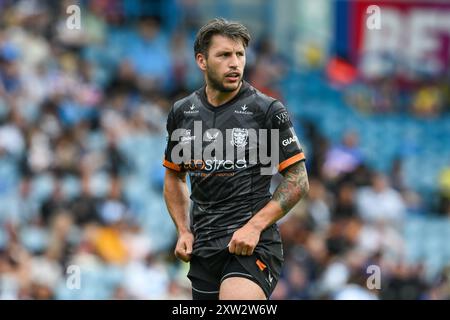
220, 26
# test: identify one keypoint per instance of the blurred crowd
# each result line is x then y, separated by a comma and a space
425, 98
82, 134
393, 91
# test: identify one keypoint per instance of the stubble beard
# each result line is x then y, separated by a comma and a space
215, 82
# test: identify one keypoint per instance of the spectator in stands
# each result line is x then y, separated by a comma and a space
379, 202
344, 206
268, 69
148, 55
343, 158
317, 205
55, 202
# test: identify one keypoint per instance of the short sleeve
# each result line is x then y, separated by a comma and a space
171, 126
290, 150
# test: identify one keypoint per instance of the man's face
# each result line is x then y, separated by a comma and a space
224, 66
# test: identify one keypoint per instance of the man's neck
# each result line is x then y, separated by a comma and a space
217, 98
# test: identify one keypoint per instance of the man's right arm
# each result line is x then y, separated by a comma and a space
176, 195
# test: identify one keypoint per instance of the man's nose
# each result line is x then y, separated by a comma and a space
234, 61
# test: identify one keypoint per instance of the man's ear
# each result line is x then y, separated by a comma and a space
201, 61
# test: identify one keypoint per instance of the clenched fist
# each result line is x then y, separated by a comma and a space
244, 241
183, 249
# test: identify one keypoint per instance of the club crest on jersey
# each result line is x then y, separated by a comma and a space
240, 137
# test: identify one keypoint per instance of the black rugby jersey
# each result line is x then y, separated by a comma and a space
222, 149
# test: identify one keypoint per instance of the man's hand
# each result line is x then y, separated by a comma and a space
244, 240
183, 250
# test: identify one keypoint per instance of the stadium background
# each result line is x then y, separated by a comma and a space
82, 134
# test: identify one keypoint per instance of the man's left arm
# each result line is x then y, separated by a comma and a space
291, 190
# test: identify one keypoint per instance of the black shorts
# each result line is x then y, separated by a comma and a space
263, 267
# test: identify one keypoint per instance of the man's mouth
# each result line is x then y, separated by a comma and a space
233, 76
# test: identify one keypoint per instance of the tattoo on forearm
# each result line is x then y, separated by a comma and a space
293, 187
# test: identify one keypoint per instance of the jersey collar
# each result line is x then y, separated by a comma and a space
202, 93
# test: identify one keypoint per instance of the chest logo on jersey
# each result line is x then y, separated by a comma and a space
243, 110
240, 137
211, 137
192, 110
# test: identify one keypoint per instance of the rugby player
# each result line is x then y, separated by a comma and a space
226, 223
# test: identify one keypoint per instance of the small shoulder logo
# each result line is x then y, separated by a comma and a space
282, 117
289, 140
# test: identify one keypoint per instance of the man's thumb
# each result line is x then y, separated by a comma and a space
188, 248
